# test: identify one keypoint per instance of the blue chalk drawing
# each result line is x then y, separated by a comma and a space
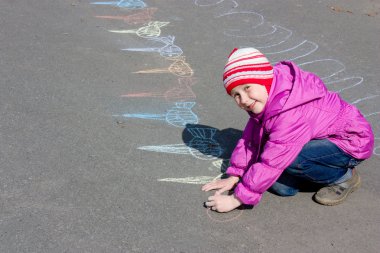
179, 116
152, 29
203, 146
168, 50
130, 4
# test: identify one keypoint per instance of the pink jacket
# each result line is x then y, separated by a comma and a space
299, 109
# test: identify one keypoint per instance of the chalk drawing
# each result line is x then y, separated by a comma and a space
152, 29
304, 48
355, 80
168, 50
129, 4
179, 68
365, 98
203, 146
180, 93
254, 20
191, 180
219, 164
206, 3
140, 17
332, 67
233, 215
179, 116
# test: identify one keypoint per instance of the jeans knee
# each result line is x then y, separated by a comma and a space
283, 190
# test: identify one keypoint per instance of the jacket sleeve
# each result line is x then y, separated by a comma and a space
244, 151
285, 142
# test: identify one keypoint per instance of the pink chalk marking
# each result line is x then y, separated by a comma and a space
223, 221
180, 93
138, 18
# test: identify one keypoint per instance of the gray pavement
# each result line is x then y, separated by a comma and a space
97, 158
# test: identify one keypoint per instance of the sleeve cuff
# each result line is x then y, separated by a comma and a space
246, 196
232, 171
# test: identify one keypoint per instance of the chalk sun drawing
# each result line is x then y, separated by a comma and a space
179, 116
274, 40
180, 93
152, 29
129, 4
168, 50
203, 146
141, 17
179, 68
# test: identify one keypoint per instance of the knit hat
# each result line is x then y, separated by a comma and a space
247, 65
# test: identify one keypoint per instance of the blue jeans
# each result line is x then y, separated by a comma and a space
319, 163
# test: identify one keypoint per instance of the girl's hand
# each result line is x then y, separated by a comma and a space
221, 185
223, 203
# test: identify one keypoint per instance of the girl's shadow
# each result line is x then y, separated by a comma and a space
210, 142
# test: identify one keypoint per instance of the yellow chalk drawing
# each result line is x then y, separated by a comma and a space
220, 164
148, 31
179, 68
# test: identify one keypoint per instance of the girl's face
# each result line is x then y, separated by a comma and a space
250, 97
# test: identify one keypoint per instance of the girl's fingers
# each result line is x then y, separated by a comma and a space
210, 203
221, 191
210, 186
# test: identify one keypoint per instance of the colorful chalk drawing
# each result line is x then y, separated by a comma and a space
179, 68
179, 116
180, 93
168, 50
279, 43
152, 29
203, 145
129, 4
140, 17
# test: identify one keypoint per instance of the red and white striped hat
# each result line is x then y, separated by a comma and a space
247, 65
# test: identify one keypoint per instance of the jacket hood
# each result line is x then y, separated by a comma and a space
291, 87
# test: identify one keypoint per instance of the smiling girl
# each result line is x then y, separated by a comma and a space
298, 134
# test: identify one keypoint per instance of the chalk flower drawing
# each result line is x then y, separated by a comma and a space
168, 50
129, 4
152, 29
179, 116
140, 17
179, 68
180, 93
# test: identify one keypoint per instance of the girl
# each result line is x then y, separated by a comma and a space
297, 132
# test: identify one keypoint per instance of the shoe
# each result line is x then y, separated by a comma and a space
336, 194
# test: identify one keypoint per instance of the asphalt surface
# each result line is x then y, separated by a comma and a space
95, 157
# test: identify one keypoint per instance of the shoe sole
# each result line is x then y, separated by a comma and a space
337, 202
